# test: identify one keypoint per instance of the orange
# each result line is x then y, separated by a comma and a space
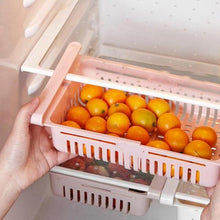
119, 107
78, 114
144, 118
71, 124
136, 101
158, 106
159, 144
97, 107
173, 170
113, 96
89, 92
177, 139
205, 133
198, 148
113, 134
167, 121
97, 124
118, 123
138, 133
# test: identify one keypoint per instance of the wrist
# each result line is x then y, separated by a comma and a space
8, 170
9, 192
8, 180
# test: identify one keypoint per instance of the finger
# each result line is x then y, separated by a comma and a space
55, 157
63, 157
22, 120
46, 144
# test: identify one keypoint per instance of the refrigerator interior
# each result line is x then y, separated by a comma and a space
15, 20
179, 37
177, 41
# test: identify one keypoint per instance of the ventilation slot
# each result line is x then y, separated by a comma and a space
147, 166
64, 191
129, 207
92, 150
71, 194
116, 156
92, 198
140, 164
180, 172
114, 204
76, 148
108, 155
197, 176
131, 161
99, 200
189, 174
100, 153
85, 197
78, 196
121, 205
84, 150
155, 167
68, 146
172, 170
164, 169
106, 202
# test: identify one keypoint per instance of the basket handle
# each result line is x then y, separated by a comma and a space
55, 82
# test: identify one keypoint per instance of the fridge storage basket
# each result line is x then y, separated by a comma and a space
194, 102
101, 195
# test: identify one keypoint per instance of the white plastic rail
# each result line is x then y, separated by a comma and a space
37, 20
28, 3
44, 43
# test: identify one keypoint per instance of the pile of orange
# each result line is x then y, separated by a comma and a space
117, 113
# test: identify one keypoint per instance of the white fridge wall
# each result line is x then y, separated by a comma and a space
55, 208
13, 94
182, 29
9, 99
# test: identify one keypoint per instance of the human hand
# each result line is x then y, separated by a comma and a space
27, 155
212, 211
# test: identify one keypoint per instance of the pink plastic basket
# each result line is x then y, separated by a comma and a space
99, 194
189, 100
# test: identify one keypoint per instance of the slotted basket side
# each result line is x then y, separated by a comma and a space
133, 155
99, 195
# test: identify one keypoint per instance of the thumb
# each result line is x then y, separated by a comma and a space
23, 117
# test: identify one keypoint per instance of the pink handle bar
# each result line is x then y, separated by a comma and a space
55, 82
